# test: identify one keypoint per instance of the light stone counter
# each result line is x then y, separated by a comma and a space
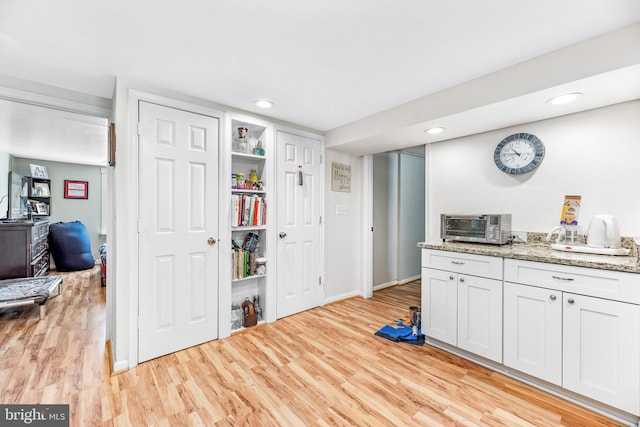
537, 250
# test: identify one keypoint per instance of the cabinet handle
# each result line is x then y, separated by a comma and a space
451, 277
567, 279
457, 262
570, 301
552, 297
461, 279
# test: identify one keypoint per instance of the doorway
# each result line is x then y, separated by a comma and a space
398, 216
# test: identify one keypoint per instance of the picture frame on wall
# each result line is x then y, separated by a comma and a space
76, 189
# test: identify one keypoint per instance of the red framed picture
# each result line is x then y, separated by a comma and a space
76, 189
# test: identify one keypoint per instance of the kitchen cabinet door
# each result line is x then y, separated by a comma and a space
533, 331
439, 305
601, 349
480, 316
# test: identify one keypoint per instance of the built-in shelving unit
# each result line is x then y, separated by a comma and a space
250, 216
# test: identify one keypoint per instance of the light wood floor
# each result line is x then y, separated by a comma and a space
321, 367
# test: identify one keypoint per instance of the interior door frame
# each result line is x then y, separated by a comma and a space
323, 167
130, 223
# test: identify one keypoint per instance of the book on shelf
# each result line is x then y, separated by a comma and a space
248, 210
244, 263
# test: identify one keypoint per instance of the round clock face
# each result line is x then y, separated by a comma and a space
519, 153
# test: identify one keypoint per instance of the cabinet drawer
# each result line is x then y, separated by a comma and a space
613, 285
474, 265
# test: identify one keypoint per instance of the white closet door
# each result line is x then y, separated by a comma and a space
178, 223
298, 229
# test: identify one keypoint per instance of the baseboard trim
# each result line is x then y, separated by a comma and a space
385, 285
410, 279
343, 297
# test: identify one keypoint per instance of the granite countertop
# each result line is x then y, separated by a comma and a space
537, 249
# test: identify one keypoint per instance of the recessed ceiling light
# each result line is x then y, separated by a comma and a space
435, 130
263, 103
564, 99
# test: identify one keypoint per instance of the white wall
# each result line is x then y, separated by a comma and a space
385, 218
343, 233
594, 154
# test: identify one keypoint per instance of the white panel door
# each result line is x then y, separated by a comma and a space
480, 316
533, 331
601, 347
298, 229
178, 223
440, 305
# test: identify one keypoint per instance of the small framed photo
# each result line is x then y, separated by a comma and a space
38, 171
40, 189
76, 189
42, 208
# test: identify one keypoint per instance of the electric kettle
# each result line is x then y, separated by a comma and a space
603, 232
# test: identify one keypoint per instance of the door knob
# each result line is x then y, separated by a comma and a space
282, 235
211, 241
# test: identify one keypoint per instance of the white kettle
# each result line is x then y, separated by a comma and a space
604, 232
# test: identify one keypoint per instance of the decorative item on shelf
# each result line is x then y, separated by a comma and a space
261, 267
259, 150
234, 181
253, 179
239, 144
252, 143
259, 185
38, 171
240, 181
249, 314
257, 307
236, 316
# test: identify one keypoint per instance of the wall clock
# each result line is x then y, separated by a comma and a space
519, 153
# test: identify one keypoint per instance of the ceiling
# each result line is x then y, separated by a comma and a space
327, 65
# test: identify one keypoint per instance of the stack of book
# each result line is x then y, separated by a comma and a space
244, 256
248, 210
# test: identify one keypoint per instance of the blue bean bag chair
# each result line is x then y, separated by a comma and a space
70, 246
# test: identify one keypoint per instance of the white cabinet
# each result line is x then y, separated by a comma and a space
601, 349
440, 305
460, 307
533, 331
578, 328
480, 316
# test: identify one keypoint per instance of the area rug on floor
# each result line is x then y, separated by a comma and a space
400, 331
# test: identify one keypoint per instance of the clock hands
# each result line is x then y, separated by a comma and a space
513, 149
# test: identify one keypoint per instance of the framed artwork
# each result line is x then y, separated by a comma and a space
42, 208
76, 189
40, 189
340, 177
38, 171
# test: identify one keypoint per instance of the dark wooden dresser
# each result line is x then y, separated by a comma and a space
24, 248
